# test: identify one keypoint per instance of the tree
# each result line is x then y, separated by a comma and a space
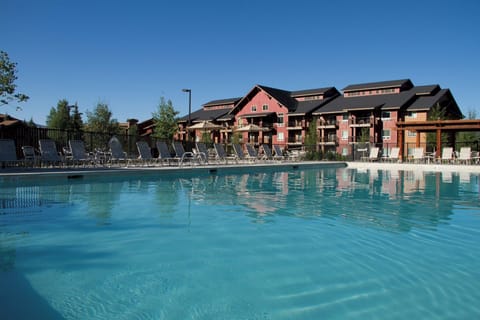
100, 121
311, 141
165, 119
8, 75
67, 119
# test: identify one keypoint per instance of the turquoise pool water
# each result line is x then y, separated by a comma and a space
301, 244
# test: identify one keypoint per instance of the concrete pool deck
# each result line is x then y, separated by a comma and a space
72, 172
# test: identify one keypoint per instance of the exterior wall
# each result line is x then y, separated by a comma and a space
259, 100
390, 124
410, 139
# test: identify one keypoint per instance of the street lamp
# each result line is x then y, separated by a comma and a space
189, 103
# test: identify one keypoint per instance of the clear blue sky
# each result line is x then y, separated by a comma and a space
128, 54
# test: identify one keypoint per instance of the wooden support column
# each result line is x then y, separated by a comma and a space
439, 143
400, 134
417, 139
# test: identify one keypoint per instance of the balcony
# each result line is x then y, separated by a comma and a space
361, 122
295, 140
328, 141
296, 125
327, 124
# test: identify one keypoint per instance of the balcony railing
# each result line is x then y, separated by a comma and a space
361, 122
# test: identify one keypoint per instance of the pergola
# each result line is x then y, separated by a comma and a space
437, 126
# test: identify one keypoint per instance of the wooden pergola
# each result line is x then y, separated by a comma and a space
437, 126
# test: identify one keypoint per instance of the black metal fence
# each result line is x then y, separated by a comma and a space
29, 136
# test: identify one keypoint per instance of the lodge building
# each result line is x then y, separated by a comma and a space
365, 112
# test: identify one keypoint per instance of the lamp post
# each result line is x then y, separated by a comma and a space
189, 103
189, 106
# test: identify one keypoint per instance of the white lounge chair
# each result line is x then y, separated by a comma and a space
447, 155
465, 156
394, 155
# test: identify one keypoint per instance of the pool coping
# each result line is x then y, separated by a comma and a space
432, 167
71, 172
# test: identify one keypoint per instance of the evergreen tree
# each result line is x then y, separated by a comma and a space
59, 118
311, 141
165, 119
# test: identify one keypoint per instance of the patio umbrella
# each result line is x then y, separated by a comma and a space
250, 128
204, 125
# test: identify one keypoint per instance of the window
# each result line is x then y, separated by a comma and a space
344, 151
254, 108
280, 136
386, 134
411, 114
385, 115
411, 133
345, 117
345, 135
265, 107
280, 119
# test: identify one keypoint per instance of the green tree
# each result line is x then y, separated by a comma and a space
100, 120
438, 112
465, 138
65, 117
101, 125
165, 119
311, 141
8, 75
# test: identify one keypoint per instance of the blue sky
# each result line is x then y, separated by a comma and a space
128, 54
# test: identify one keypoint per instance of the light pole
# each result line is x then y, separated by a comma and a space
189, 103
189, 108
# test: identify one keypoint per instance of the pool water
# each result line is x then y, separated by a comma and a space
301, 244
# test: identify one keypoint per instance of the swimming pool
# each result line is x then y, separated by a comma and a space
293, 244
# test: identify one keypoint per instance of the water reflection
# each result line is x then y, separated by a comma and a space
394, 200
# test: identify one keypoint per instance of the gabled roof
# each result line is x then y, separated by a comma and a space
379, 85
221, 102
425, 103
205, 115
304, 107
282, 96
312, 92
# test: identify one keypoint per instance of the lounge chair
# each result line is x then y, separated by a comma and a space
202, 152
238, 152
221, 155
117, 154
8, 153
252, 153
394, 155
183, 155
49, 153
164, 154
278, 152
144, 153
30, 156
373, 155
447, 155
79, 155
418, 155
465, 155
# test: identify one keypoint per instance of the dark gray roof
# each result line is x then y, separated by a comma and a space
205, 115
379, 85
222, 102
305, 107
425, 103
282, 96
311, 92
